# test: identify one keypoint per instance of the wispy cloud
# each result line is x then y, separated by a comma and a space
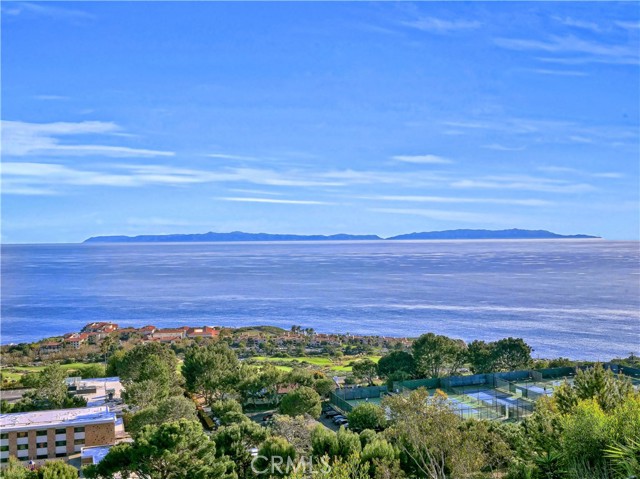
499, 147
225, 156
456, 199
255, 192
43, 139
446, 215
422, 159
628, 25
274, 201
563, 45
523, 182
565, 73
575, 171
51, 97
442, 26
558, 131
577, 23
46, 10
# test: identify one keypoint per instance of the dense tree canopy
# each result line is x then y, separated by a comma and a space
507, 354
366, 416
396, 361
436, 355
366, 370
167, 410
302, 400
212, 370
177, 450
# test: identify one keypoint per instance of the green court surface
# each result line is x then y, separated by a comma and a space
355, 402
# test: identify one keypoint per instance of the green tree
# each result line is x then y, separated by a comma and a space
324, 386
223, 406
92, 371
302, 400
507, 354
50, 392
51, 387
366, 370
396, 361
148, 373
367, 436
593, 383
212, 370
431, 438
511, 354
434, 355
366, 416
348, 443
168, 410
381, 456
324, 442
480, 357
177, 450
15, 470
56, 470
236, 441
301, 377
295, 429
274, 456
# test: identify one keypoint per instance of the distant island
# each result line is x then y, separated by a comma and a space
463, 234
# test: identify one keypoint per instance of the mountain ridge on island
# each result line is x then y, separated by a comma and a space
460, 234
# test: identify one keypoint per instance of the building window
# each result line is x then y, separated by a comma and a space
4, 459
22, 447
78, 429
42, 432
42, 456
61, 443
22, 434
61, 454
4, 435
78, 442
4, 448
61, 431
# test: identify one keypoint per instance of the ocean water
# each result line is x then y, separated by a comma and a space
579, 299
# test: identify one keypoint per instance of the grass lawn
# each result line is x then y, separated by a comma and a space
338, 365
15, 373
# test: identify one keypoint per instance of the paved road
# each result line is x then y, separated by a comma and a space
12, 395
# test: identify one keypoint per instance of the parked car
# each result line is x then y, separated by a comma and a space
267, 417
332, 413
342, 422
338, 418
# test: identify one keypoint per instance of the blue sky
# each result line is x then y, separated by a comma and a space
382, 118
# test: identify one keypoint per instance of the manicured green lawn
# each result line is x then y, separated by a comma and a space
338, 365
13, 374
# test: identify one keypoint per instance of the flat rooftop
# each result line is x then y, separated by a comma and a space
103, 386
55, 418
95, 453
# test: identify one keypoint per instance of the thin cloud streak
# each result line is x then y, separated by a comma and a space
422, 159
566, 73
441, 26
517, 182
42, 139
274, 201
445, 215
446, 199
595, 52
499, 147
